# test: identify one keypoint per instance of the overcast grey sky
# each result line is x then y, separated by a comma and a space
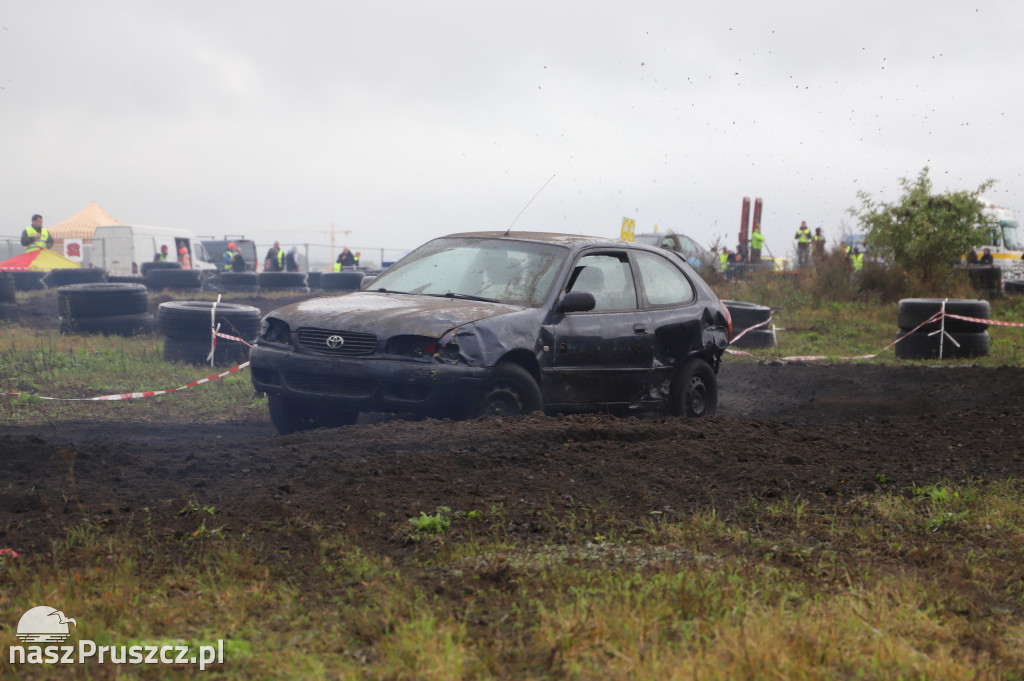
401, 121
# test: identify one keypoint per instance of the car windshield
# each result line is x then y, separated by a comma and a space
503, 270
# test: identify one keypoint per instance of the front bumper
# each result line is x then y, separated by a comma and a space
433, 389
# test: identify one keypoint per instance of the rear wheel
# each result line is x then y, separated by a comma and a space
510, 391
694, 391
290, 415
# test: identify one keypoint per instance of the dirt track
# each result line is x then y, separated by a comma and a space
818, 432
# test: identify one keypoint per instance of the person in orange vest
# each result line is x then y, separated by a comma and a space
36, 238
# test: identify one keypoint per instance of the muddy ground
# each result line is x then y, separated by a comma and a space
820, 432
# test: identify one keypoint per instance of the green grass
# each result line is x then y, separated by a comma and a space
868, 589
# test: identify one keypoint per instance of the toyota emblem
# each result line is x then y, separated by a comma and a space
335, 342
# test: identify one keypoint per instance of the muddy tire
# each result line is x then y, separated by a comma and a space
924, 346
194, 351
190, 320
745, 315
341, 281
694, 391
9, 312
913, 311
115, 325
147, 267
282, 280
161, 279
126, 279
1014, 287
75, 275
509, 391
29, 280
758, 338
242, 282
290, 416
7, 288
101, 300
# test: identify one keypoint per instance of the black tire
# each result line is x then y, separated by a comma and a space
161, 279
924, 346
1014, 286
101, 300
7, 288
126, 279
247, 282
341, 281
289, 415
509, 391
912, 311
195, 351
146, 267
75, 275
313, 279
758, 338
694, 391
117, 325
9, 312
190, 320
282, 280
29, 280
745, 315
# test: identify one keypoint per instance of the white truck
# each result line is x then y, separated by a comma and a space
1005, 243
121, 249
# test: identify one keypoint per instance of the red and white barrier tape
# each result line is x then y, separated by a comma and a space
990, 322
817, 358
153, 393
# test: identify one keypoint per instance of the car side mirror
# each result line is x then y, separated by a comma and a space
577, 301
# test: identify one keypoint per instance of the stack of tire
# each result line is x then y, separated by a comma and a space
186, 327
1013, 286
920, 342
8, 304
107, 308
295, 282
341, 281
238, 282
746, 315
75, 275
313, 280
169, 275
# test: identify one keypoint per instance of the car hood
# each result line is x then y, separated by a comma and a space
388, 314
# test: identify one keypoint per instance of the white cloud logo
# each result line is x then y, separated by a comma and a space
43, 624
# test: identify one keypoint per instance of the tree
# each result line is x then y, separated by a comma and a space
925, 234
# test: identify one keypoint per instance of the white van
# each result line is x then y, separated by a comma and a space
121, 249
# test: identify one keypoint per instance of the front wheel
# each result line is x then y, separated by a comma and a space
510, 391
694, 391
290, 416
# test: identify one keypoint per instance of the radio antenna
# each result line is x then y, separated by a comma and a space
528, 204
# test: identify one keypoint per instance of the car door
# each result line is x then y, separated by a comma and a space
670, 298
603, 356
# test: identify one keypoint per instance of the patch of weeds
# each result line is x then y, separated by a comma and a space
882, 479
431, 525
192, 506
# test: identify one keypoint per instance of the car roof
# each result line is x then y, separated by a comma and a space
570, 240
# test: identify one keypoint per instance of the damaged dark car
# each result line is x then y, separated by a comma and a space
500, 324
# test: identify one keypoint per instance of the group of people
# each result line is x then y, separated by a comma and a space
811, 247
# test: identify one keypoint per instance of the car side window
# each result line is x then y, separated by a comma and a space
687, 246
664, 283
608, 276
